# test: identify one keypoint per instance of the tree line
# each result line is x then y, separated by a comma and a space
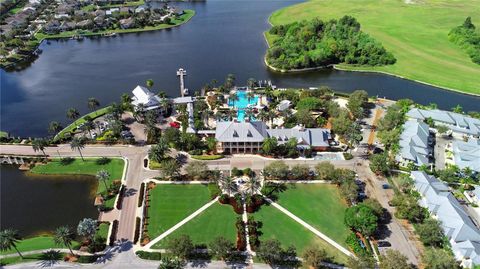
468, 38
317, 43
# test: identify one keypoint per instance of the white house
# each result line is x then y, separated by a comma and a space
142, 96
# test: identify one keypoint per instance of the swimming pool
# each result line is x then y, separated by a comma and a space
242, 103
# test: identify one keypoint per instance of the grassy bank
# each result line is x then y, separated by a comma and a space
415, 33
79, 167
174, 22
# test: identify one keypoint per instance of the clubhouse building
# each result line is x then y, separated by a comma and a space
247, 137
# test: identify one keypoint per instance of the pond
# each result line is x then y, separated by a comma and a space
34, 204
225, 36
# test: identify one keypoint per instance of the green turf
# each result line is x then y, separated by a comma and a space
103, 230
80, 167
35, 243
217, 220
415, 33
320, 205
169, 204
277, 225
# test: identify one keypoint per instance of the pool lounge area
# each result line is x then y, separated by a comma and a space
242, 103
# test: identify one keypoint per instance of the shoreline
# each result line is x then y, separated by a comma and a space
337, 67
122, 31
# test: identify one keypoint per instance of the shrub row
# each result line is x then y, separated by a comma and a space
154, 256
120, 197
113, 235
141, 194
137, 230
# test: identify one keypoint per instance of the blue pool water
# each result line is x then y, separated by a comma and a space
242, 103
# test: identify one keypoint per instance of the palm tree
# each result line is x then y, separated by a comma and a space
164, 104
72, 113
88, 126
54, 127
78, 143
149, 83
39, 144
271, 115
262, 115
162, 94
249, 113
250, 95
233, 97
126, 99
157, 152
103, 175
93, 103
64, 236
457, 109
228, 184
139, 111
251, 82
8, 240
253, 184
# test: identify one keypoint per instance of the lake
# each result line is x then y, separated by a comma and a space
38, 204
225, 36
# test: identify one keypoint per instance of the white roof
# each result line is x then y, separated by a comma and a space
142, 95
455, 121
467, 154
414, 142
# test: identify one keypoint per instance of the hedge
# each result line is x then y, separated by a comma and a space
137, 230
141, 194
155, 256
113, 235
206, 157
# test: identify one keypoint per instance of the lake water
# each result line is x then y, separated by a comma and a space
225, 36
38, 204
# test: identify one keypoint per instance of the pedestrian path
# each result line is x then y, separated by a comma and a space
310, 228
181, 223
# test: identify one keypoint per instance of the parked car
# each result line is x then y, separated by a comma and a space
384, 244
385, 186
94, 135
175, 124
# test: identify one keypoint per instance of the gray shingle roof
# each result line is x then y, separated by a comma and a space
455, 221
455, 121
414, 142
230, 131
467, 154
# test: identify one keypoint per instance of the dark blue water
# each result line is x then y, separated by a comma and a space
226, 36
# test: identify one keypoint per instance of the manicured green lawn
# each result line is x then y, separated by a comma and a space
217, 220
277, 225
103, 230
174, 22
70, 128
36, 243
320, 205
169, 204
415, 33
80, 167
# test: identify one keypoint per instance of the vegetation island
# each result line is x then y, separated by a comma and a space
311, 44
25, 24
415, 32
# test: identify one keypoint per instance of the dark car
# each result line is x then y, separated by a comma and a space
384, 244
